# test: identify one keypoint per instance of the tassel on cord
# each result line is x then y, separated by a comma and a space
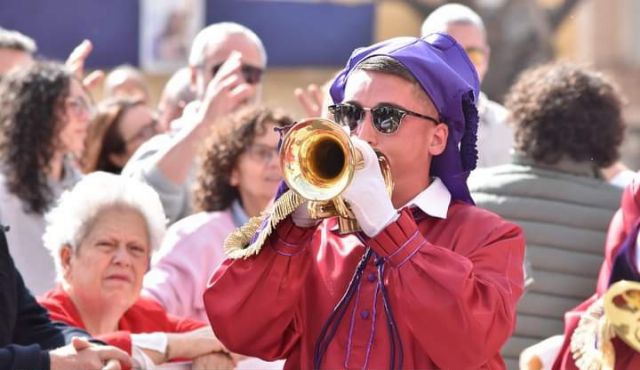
330, 326
394, 335
248, 240
468, 149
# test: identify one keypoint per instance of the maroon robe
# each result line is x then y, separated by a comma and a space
451, 286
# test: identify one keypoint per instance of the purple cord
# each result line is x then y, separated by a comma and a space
327, 334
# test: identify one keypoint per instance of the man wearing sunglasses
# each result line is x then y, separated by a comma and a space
226, 64
431, 282
495, 136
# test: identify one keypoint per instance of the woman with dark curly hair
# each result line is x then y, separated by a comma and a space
120, 127
44, 115
238, 177
568, 126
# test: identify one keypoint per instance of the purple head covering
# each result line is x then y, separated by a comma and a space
448, 77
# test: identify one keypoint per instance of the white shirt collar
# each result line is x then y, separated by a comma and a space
434, 200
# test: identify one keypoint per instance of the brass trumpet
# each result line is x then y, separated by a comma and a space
318, 162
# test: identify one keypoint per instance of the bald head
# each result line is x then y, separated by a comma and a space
126, 81
214, 36
214, 44
466, 27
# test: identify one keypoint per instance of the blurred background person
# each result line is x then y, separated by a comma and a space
238, 176
101, 235
618, 174
495, 136
44, 117
16, 49
568, 125
227, 61
177, 93
121, 126
621, 263
128, 82
30, 340
589, 348
237, 179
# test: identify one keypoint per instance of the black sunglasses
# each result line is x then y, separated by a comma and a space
251, 74
386, 118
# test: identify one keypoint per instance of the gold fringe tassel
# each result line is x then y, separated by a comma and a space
236, 245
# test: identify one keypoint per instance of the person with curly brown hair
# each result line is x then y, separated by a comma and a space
568, 126
44, 116
121, 126
238, 176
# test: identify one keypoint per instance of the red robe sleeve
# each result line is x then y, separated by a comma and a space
565, 361
621, 224
459, 304
273, 279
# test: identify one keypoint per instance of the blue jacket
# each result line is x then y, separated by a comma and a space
26, 332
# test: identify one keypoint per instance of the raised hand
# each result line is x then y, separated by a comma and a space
311, 99
213, 361
226, 91
76, 62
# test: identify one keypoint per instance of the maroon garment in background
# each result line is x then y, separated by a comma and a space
621, 224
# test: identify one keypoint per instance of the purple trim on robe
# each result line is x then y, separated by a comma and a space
373, 326
285, 253
624, 265
353, 322
411, 254
296, 246
409, 240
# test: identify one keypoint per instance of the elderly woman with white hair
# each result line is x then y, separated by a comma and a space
101, 235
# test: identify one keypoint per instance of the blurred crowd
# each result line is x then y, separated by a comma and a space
116, 211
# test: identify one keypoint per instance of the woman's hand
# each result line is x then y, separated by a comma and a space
193, 344
80, 354
213, 361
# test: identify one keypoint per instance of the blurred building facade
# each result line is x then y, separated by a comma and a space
605, 34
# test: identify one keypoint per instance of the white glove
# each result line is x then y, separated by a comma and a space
367, 194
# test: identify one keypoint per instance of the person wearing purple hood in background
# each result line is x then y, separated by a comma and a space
431, 281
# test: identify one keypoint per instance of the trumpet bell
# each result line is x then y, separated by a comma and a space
317, 159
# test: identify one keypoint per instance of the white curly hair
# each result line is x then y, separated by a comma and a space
75, 211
